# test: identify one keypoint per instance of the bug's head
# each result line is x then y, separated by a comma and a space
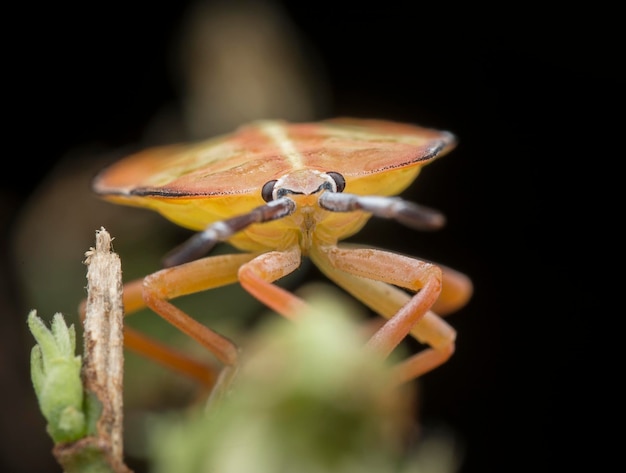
303, 186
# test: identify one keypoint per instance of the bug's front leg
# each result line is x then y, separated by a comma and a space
257, 277
372, 276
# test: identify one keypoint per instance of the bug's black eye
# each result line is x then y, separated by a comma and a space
267, 191
340, 182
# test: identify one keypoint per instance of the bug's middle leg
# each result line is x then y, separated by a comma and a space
423, 278
372, 276
155, 290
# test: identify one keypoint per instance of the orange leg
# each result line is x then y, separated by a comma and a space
155, 290
372, 276
257, 277
456, 291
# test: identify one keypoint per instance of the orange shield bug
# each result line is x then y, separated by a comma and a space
279, 192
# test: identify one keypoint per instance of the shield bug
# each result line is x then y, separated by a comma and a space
279, 192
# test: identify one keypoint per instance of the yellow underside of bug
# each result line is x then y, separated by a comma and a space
196, 213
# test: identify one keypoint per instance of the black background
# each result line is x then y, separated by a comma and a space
532, 96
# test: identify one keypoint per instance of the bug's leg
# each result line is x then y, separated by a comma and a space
456, 291
258, 275
391, 268
156, 289
372, 276
156, 350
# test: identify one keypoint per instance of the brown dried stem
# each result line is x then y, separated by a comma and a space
103, 367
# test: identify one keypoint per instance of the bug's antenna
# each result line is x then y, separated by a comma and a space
410, 214
201, 243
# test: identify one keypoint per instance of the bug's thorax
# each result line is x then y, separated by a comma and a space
304, 187
305, 219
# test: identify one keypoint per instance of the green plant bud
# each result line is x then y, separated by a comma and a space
55, 373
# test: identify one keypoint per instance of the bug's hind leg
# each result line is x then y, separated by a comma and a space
440, 336
433, 330
456, 291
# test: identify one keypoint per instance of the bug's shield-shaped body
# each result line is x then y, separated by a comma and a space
282, 190
199, 184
